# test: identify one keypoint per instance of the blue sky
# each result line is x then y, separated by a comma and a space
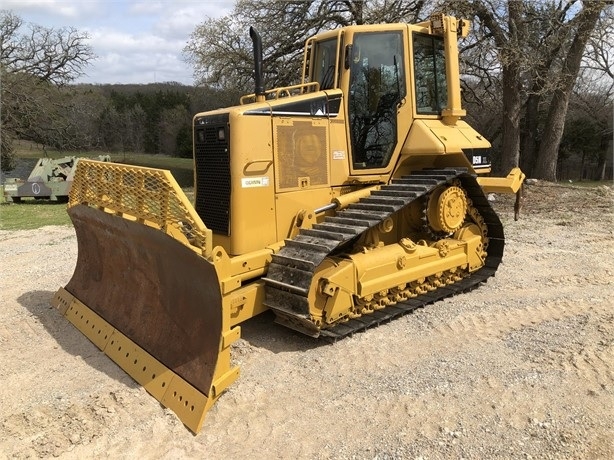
135, 41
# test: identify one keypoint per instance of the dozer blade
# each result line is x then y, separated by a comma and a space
160, 294
143, 290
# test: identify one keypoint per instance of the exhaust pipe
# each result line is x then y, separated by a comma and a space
257, 41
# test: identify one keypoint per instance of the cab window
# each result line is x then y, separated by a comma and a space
325, 57
430, 74
377, 85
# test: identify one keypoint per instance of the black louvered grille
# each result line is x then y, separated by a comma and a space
212, 159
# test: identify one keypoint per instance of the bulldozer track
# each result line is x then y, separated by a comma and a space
291, 271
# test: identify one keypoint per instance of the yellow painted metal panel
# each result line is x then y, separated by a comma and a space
139, 364
421, 140
231, 336
223, 382
62, 300
187, 402
252, 198
289, 203
89, 323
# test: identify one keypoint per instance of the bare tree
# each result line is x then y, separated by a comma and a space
591, 104
54, 55
599, 54
32, 65
221, 52
537, 48
549, 148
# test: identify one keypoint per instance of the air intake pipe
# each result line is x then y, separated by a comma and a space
257, 41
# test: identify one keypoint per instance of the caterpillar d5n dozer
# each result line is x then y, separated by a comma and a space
341, 202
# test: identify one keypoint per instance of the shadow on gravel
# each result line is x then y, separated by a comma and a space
38, 303
262, 331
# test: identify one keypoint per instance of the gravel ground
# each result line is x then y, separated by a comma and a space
521, 368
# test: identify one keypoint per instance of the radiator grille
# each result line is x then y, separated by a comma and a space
212, 162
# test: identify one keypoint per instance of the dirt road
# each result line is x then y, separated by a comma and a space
521, 368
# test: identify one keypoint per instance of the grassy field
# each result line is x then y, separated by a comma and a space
35, 214
32, 213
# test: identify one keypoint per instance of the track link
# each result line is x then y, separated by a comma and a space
291, 271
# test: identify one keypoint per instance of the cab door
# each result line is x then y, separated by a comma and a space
377, 89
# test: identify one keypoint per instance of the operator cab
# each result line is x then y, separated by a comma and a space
390, 75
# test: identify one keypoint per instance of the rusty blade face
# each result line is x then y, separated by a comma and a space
153, 289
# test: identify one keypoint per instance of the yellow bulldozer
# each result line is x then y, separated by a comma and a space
338, 203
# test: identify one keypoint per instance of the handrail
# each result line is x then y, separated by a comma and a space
285, 91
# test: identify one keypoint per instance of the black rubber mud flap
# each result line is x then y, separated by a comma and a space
155, 290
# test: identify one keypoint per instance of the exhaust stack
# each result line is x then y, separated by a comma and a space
257, 41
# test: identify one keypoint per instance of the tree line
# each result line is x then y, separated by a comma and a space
537, 78
41, 104
154, 118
